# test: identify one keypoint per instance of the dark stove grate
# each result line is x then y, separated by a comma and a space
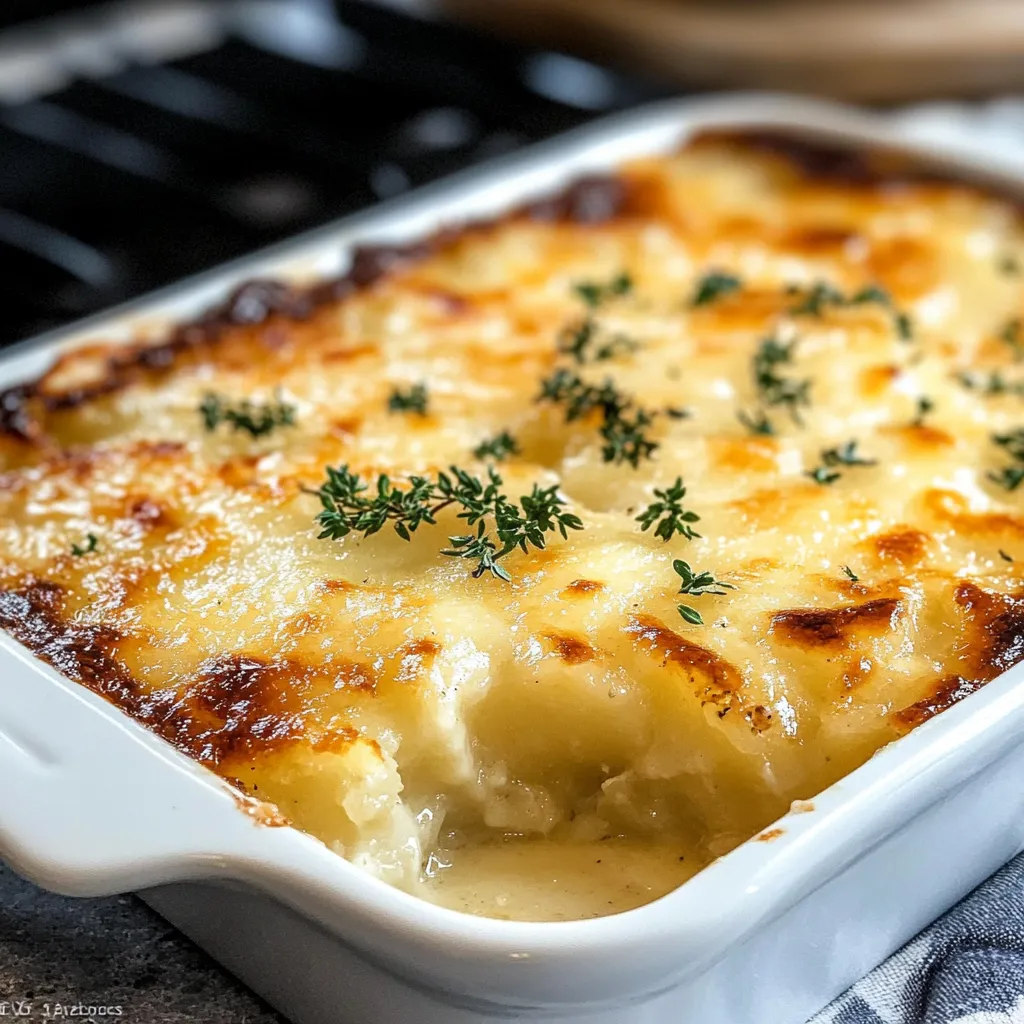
136, 151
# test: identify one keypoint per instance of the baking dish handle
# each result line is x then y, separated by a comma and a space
85, 809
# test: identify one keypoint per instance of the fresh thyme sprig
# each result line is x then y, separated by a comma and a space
822, 295
1011, 336
595, 294
990, 384
773, 388
414, 400
498, 448
757, 423
844, 455
623, 422
925, 407
584, 340
498, 525
714, 285
847, 571
1010, 477
669, 514
256, 419
696, 585
90, 545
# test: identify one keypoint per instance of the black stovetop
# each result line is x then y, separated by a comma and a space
137, 151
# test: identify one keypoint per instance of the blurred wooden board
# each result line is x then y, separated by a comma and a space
855, 49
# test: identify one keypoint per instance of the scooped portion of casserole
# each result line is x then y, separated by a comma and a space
535, 566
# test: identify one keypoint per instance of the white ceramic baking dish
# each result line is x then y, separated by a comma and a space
90, 803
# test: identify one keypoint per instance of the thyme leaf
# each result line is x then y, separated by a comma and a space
90, 545
925, 406
595, 294
696, 585
669, 514
1010, 477
497, 524
255, 418
773, 388
413, 399
623, 423
1011, 336
821, 295
713, 286
499, 447
843, 455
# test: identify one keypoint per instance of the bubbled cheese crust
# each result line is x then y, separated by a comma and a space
405, 712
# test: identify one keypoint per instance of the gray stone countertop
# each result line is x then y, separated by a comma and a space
109, 952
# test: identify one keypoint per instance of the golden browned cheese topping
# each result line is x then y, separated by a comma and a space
826, 348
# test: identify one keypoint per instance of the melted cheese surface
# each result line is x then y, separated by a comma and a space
564, 745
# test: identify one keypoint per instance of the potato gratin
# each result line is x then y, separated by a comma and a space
700, 485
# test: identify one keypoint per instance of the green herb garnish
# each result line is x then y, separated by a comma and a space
501, 525
1004, 556
1011, 336
497, 448
1010, 477
816, 298
757, 423
669, 513
696, 585
822, 475
925, 406
585, 342
622, 425
851, 574
90, 545
822, 294
255, 418
990, 384
713, 286
595, 294
844, 455
772, 387
412, 400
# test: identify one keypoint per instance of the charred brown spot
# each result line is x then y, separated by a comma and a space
350, 353
819, 239
15, 416
920, 437
231, 706
953, 508
80, 651
595, 199
580, 587
834, 627
946, 692
745, 454
147, 512
819, 160
905, 548
759, 717
414, 657
997, 628
716, 680
573, 650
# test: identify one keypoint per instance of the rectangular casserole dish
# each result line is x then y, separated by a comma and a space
93, 804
